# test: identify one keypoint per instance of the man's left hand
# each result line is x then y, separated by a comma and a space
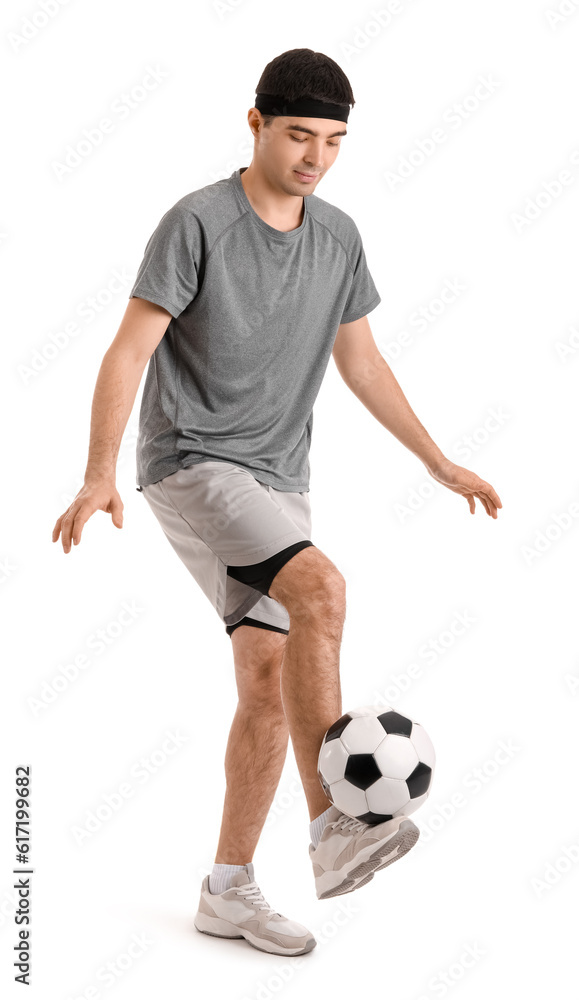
468, 484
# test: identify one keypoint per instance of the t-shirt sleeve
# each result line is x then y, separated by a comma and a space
168, 274
363, 296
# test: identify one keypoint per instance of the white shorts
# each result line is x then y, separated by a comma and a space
233, 534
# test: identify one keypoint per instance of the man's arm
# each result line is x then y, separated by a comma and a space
366, 372
141, 329
371, 379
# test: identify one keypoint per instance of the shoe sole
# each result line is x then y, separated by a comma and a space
211, 925
393, 849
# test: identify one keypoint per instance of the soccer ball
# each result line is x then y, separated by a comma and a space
375, 764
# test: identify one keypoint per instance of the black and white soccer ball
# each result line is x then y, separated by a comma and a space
375, 763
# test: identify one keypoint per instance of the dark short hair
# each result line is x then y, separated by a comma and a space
301, 73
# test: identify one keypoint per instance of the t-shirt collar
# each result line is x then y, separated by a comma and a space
276, 233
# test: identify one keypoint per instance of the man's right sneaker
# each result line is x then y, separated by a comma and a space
350, 851
242, 912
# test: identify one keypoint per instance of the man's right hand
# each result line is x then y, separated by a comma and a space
100, 494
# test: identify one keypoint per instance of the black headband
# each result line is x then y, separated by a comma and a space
305, 107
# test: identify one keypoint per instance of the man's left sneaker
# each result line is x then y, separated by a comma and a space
242, 912
349, 851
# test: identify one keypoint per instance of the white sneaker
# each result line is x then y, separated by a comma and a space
349, 851
242, 912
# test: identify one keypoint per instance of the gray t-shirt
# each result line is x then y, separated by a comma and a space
255, 312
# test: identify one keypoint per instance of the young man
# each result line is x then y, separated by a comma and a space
246, 287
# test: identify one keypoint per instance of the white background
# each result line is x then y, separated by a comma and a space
496, 865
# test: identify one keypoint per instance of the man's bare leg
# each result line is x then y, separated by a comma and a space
312, 590
257, 745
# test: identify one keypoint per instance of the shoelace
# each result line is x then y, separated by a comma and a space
349, 823
252, 892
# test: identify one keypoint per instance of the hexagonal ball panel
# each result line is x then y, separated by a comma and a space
348, 798
424, 748
332, 760
396, 757
388, 796
415, 804
362, 735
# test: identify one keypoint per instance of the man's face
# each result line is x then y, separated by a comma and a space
292, 147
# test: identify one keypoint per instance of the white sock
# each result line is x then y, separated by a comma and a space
220, 877
317, 826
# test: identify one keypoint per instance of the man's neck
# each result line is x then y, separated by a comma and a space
277, 209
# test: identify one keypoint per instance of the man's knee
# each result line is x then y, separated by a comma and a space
310, 583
